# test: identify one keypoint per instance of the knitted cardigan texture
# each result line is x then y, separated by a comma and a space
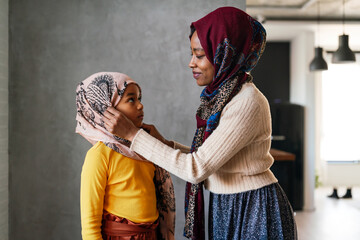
235, 157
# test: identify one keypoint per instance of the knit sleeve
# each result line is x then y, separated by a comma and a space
92, 192
238, 126
182, 148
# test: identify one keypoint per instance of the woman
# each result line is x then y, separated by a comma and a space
230, 150
119, 199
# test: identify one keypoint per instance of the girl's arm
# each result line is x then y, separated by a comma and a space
92, 192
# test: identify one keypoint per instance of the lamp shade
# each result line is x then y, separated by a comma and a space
343, 54
318, 63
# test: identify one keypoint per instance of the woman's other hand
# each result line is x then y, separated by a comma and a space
118, 124
151, 129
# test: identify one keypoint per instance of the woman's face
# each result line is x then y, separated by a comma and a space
130, 105
203, 70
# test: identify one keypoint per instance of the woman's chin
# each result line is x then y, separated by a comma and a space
202, 82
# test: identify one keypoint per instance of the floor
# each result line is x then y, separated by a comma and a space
333, 219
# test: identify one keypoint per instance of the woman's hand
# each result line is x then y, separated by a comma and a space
151, 129
118, 124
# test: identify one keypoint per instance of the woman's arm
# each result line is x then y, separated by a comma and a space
151, 129
237, 128
113, 119
92, 192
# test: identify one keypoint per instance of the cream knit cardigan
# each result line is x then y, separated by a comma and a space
234, 158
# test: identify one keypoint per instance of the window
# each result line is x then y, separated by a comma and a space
340, 138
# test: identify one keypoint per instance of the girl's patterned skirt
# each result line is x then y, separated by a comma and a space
117, 228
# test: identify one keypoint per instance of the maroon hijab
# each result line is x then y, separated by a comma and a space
233, 42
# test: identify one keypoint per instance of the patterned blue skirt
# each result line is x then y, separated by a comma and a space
264, 213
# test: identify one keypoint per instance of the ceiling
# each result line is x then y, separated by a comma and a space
304, 10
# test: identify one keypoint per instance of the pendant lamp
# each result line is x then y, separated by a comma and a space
318, 63
343, 54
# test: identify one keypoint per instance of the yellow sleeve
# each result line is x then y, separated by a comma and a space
92, 192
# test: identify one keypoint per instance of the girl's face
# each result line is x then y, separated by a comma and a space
130, 105
203, 70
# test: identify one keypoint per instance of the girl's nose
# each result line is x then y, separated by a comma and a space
140, 106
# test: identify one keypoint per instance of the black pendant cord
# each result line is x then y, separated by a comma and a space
343, 17
318, 23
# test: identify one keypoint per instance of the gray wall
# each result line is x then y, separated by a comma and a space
4, 115
56, 44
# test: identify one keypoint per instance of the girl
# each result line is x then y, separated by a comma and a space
119, 199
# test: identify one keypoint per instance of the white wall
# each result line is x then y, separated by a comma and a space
4, 113
302, 91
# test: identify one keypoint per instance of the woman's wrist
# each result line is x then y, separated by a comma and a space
154, 133
169, 143
132, 133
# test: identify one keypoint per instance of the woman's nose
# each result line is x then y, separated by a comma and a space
192, 62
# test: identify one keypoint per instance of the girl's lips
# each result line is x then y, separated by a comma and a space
141, 117
196, 75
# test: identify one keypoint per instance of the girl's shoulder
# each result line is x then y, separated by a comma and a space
98, 148
102, 151
99, 152
95, 162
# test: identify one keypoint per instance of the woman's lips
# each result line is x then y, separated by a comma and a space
196, 75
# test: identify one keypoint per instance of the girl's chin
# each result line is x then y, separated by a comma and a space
139, 125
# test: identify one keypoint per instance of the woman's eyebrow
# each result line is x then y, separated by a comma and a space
197, 49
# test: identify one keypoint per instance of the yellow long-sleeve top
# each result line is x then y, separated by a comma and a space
117, 184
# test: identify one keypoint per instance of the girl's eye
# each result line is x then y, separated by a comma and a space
200, 57
131, 100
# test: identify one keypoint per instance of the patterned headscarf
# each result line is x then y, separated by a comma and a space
93, 96
233, 42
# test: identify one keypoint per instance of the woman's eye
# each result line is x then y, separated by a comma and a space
200, 57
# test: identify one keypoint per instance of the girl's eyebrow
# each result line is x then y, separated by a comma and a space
130, 94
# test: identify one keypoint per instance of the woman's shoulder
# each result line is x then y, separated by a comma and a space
251, 94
